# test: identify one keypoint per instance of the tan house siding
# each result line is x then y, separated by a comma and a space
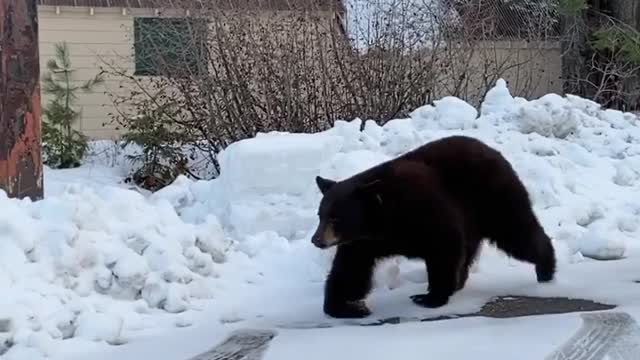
102, 34
531, 70
98, 35
91, 38
534, 68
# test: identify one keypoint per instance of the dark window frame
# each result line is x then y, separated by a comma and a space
170, 40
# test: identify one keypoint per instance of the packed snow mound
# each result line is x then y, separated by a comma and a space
77, 263
101, 262
579, 162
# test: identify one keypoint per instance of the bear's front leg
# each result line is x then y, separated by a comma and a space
349, 282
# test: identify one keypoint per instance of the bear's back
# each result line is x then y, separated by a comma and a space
466, 164
475, 175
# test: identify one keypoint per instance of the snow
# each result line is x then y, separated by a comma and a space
441, 340
78, 263
99, 267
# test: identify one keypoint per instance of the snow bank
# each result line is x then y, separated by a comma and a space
90, 265
268, 181
579, 162
99, 263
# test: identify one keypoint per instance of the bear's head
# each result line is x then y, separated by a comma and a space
348, 212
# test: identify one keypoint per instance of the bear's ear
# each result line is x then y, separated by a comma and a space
324, 184
372, 190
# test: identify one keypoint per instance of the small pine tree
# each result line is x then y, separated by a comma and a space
162, 158
63, 146
623, 41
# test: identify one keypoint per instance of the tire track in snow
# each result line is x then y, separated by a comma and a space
240, 345
628, 343
612, 334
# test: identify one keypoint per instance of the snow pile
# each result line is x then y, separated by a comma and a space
580, 164
100, 263
259, 195
90, 265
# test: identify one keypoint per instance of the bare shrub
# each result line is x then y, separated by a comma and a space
230, 72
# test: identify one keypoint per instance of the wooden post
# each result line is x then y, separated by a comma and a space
20, 109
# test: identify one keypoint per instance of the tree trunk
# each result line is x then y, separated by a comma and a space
574, 44
20, 109
628, 11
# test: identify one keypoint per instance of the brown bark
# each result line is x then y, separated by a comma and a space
20, 109
628, 11
574, 44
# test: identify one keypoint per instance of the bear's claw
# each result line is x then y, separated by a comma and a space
429, 300
349, 309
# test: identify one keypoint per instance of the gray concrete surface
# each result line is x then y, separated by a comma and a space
240, 345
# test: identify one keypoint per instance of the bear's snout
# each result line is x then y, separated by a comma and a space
315, 240
324, 236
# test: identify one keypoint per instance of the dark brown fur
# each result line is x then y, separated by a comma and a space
436, 203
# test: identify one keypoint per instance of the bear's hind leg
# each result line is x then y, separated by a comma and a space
349, 282
533, 246
546, 259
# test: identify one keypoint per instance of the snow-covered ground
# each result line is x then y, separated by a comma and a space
98, 270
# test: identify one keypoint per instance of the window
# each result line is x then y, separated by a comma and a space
169, 46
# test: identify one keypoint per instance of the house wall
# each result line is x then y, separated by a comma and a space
105, 35
531, 69
95, 37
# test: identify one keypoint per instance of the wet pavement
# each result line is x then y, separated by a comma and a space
514, 306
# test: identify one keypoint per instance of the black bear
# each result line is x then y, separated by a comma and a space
436, 203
